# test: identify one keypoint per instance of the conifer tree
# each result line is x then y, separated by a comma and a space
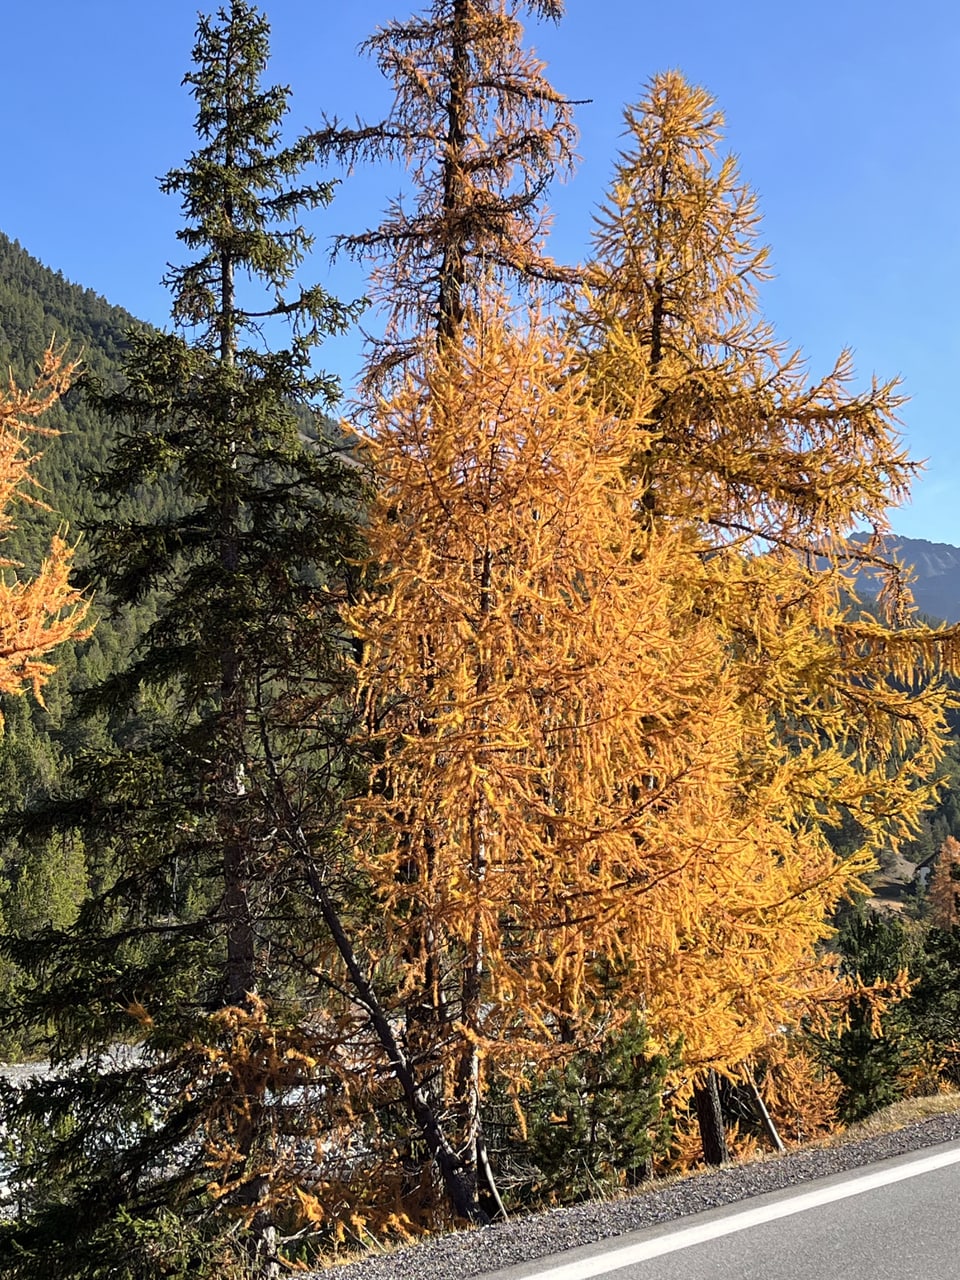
481, 132
195, 949
842, 714
747, 444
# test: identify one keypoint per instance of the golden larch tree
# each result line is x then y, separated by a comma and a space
841, 714
480, 132
746, 445
562, 806
43, 612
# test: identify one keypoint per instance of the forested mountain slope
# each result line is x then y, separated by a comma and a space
936, 573
37, 306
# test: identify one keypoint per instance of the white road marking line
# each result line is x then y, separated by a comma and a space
630, 1254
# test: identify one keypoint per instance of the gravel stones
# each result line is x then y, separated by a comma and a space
465, 1254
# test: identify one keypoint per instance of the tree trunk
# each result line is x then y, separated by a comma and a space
450, 303
766, 1118
470, 1141
458, 1179
710, 1119
261, 1238
460, 1187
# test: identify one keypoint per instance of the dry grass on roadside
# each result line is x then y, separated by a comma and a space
897, 1116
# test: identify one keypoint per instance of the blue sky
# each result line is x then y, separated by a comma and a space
845, 116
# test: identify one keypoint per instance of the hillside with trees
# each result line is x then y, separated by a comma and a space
37, 307
43, 610
479, 816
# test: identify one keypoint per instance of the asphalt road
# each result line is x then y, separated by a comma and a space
897, 1220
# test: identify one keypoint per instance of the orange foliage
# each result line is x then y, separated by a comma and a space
38, 615
619, 692
562, 796
801, 1094
837, 715
291, 1123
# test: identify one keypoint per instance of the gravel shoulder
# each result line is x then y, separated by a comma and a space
465, 1254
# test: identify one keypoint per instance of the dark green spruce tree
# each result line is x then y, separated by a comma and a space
176, 1010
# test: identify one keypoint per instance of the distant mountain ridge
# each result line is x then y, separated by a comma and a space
936, 568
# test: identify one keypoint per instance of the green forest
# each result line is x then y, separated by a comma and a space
496, 797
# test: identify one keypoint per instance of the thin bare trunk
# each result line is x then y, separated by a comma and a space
459, 1186
457, 1180
468, 1076
450, 303
765, 1117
